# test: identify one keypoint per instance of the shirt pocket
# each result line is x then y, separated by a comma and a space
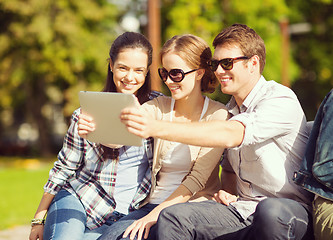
264, 166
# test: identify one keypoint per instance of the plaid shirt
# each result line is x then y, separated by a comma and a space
81, 170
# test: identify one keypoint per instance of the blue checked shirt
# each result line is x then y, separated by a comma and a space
81, 170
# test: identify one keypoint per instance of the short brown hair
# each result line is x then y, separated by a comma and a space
196, 53
246, 38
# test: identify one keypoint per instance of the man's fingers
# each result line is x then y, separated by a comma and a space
130, 111
133, 124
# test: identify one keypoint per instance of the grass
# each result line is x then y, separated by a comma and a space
21, 188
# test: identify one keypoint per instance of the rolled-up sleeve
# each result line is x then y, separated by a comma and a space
69, 160
269, 119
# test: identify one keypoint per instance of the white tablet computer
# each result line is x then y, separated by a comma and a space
105, 108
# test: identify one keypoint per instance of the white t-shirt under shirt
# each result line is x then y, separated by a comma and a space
175, 165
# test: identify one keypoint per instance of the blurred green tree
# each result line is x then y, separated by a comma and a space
310, 57
50, 50
313, 51
207, 18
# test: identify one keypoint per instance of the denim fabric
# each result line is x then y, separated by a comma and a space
275, 218
66, 219
280, 218
117, 229
199, 220
316, 173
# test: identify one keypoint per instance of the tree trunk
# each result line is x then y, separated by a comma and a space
35, 101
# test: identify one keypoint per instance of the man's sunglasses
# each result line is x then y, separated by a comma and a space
176, 75
226, 63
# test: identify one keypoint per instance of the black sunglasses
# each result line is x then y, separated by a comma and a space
176, 75
226, 63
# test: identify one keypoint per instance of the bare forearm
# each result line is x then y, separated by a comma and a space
180, 195
223, 134
44, 205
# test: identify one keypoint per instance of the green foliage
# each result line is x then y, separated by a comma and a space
310, 58
313, 52
50, 50
207, 18
201, 18
44, 44
58, 42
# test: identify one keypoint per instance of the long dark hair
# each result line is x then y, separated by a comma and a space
127, 40
130, 40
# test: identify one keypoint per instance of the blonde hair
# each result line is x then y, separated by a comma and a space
196, 53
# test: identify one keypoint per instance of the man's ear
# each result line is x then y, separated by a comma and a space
254, 63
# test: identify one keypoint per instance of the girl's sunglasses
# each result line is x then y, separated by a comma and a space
226, 63
176, 75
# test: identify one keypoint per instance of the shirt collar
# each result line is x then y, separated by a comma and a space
232, 105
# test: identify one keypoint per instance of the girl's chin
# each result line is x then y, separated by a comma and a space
129, 90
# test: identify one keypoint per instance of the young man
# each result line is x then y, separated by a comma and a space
316, 174
266, 138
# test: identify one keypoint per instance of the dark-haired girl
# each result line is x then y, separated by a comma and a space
91, 186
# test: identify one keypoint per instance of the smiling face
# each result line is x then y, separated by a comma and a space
238, 81
188, 85
129, 70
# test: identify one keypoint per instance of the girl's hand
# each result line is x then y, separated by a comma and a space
85, 125
36, 232
139, 226
224, 197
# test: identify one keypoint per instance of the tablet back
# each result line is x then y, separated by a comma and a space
105, 108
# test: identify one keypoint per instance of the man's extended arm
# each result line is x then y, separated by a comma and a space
224, 134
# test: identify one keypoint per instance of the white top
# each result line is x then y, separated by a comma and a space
175, 166
273, 145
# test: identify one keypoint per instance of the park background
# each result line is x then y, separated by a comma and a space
50, 50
